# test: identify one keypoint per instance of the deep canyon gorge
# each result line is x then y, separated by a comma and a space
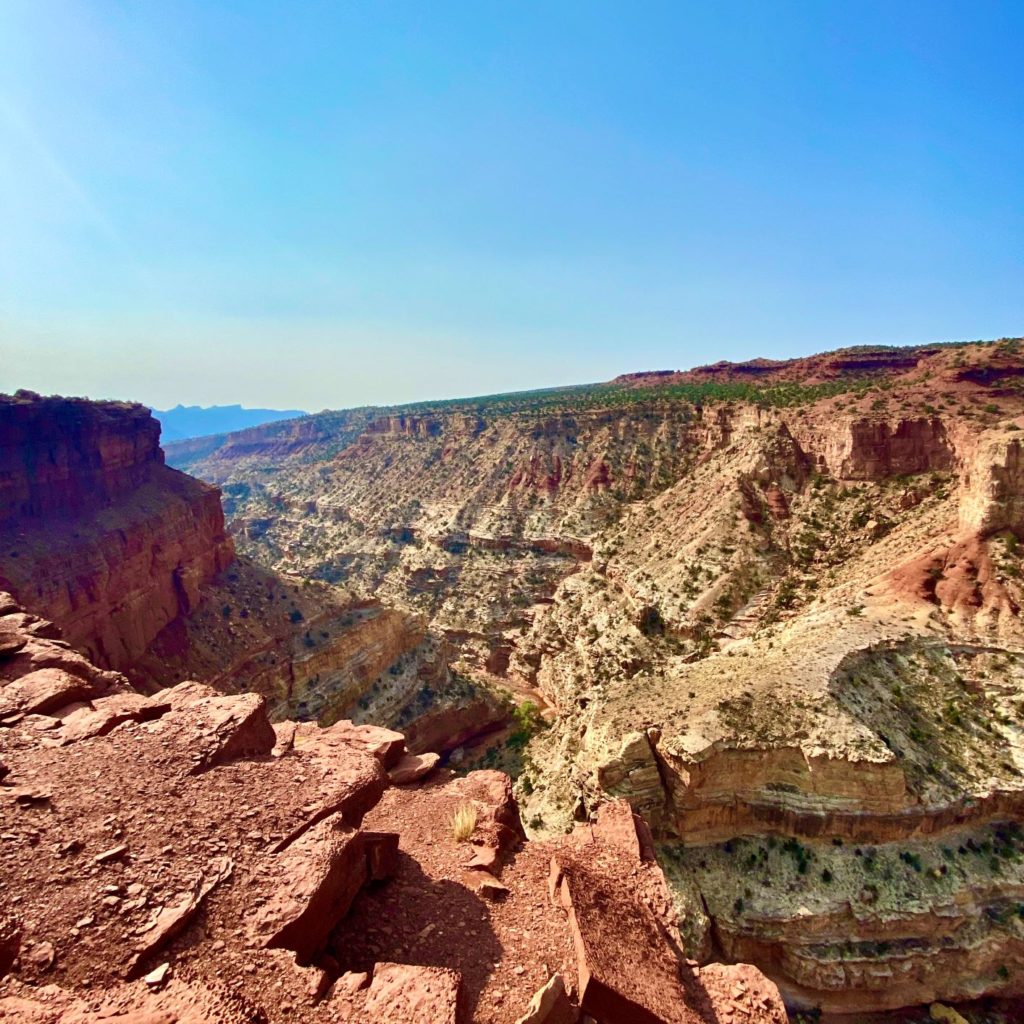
730, 659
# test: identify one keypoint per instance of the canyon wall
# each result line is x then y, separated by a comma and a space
311, 650
65, 457
95, 531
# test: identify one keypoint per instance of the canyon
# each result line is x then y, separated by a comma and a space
773, 606
233, 849
727, 663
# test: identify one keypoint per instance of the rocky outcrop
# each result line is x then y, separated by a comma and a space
103, 796
213, 457
410, 426
213, 869
994, 496
62, 457
97, 533
459, 543
40, 675
624, 930
325, 867
876, 450
863, 360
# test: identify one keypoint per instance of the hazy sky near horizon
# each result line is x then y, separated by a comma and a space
326, 204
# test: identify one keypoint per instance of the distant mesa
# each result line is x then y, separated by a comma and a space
188, 421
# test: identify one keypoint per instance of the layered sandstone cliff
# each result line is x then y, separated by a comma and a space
132, 559
95, 531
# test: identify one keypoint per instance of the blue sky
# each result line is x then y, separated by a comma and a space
328, 204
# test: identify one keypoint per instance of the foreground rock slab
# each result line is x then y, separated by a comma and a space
320, 874
550, 1005
626, 972
413, 767
625, 934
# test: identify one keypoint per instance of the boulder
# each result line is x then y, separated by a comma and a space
497, 825
43, 691
623, 925
106, 713
484, 857
489, 887
220, 729
742, 992
349, 781
384, 744
627, 971
550, 1005
618, 825
317, 876
412, 768
10, 643
353, 981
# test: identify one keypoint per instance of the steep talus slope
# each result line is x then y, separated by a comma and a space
783, 619
176, 859
311, 649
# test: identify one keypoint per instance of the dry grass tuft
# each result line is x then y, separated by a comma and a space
463, 822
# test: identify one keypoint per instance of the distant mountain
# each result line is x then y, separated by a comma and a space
185, 421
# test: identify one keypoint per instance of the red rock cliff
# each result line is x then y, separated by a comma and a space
95, 531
